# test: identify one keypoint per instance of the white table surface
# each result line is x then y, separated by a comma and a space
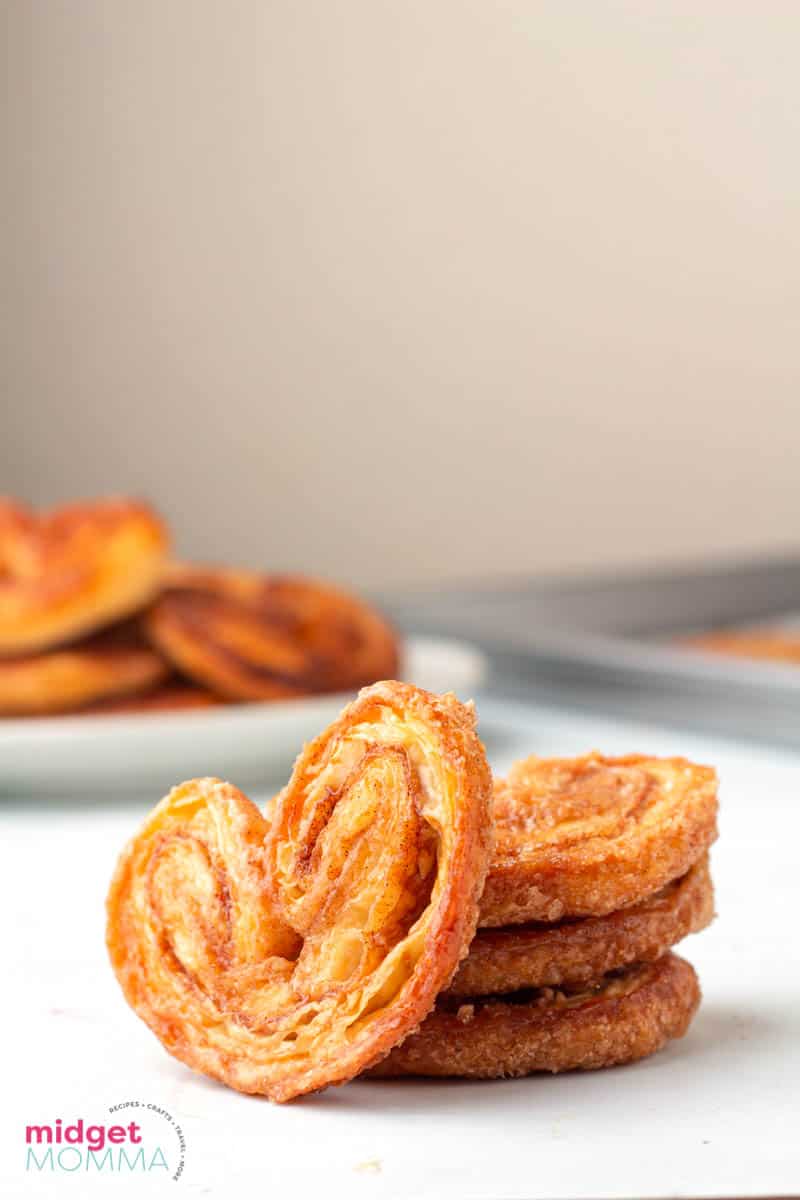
714, 1114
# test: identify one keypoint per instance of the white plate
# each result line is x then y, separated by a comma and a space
243, 742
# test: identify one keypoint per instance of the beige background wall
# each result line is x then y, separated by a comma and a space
407, 290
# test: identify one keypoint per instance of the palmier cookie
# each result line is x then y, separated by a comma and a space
282, 957
587, 836
259, 637
75, 570
577, 950
621, 1018
102, 669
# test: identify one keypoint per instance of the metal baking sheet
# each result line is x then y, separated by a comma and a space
612, 643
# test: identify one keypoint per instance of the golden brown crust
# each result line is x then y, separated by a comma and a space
169, 697
766, 645
74, 570
261, 637
622, 1018
586, 836
280, 958
101, 669
576, 951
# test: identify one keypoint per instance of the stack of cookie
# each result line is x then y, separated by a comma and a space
335, 934
600, 867
93, 618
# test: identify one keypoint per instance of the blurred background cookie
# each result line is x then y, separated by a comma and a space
249, 636
75, 570
103, 668
92, 617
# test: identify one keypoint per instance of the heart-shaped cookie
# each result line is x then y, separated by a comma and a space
283, 955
